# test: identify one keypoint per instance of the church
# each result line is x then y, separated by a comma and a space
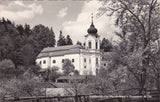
86, 59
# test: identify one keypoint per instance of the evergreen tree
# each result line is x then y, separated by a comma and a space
43, 36
27, 30
69, 40
79, 43
61, 41
20, 29
106, 45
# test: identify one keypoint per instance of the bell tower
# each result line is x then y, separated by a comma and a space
92, 39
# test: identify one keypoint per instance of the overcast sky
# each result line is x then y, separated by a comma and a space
73, 17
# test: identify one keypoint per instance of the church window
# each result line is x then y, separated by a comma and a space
44, 62
96, 45
72, 60
85, 60
96, 70
84, 44
40, 62
54, 61
96, 61
85, 67
89, 45
104, 64
62, 60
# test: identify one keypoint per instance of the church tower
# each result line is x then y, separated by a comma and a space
91, 55
92, 39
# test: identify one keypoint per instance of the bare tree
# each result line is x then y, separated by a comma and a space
139, 24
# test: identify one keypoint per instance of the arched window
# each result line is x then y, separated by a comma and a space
96, 61
89, 44
62, 60
96, 45
54, 61
44, 62
72, 60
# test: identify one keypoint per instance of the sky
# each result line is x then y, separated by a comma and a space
73, 17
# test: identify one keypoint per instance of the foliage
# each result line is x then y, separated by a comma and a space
79, 43
22, 44
62, 40
19, 87
138, 21
32, 71
76, 72
7, 69
19, 47
106, 45
67, 67
50, 74
69, 40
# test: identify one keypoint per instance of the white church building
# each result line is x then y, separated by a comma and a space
85, 59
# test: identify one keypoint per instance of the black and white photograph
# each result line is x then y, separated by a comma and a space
79, 50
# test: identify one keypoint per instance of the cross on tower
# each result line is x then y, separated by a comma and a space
92, 17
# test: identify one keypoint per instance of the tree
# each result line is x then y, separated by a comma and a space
50, 74
79, 43
76, 72
44, 36
7, 69
31, 71
28, 55
21, 44
155, 70
68, 67
69, 40
139, 28
61, 41
21, 87
106, 45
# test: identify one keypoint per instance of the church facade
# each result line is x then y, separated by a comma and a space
86, 59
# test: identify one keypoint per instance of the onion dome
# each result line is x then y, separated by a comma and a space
92, 30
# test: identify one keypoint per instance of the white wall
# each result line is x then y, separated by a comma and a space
90, 66
93, 41
78, 62
58, 59
42, 65
89, 54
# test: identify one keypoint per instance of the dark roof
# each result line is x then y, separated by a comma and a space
60, 50
62, 85
45, 85
72, 77
92, 30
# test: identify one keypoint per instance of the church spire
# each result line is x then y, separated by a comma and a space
92, 30
92, 18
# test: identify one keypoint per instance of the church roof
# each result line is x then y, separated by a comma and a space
60, 50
